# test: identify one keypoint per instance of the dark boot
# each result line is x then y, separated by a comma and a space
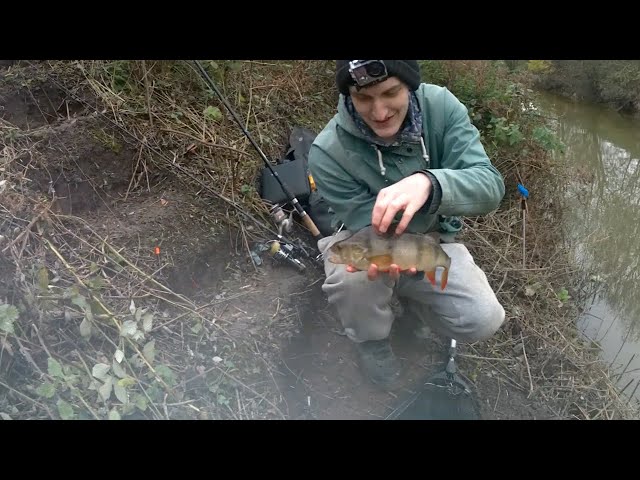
378, 362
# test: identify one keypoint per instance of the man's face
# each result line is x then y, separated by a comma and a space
383, 106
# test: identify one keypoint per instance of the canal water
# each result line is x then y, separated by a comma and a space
602, 148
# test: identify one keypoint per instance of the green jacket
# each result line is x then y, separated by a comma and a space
346, 167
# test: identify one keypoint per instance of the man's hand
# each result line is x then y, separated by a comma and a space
409, 194
394, 271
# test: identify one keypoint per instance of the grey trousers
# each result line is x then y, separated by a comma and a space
466, 310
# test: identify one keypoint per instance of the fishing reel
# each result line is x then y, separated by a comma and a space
281, 249
284, 252
281, 220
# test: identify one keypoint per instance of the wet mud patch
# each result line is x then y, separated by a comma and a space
200, 274
265, 304
501, 401
27, 104
86, 165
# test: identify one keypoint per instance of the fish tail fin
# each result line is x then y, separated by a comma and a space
431, 275
444, 278
446, 265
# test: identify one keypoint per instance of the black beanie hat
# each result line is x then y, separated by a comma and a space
406, 70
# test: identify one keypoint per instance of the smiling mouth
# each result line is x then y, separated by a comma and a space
384, 122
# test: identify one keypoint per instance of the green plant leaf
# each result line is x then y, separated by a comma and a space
114, 415
65, 410
85, 328
155, 392
119, 355
100, 371
166, 374
54, 368
46, 390
121, 393
8, 315
106, 388
563, 295
127, 382
128, 409
129, 329
95, 283
147, 322
141, 402
117, 369
212, 113
149, 351
80, 301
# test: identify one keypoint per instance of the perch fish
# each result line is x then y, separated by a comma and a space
409, 250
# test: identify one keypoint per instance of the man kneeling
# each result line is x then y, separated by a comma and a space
404, 155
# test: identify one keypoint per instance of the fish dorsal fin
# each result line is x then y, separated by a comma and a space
432, 236
391, 231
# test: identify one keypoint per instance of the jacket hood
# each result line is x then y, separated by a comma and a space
345, 120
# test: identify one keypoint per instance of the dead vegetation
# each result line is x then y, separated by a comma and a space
98, 325
539, 351
92, 327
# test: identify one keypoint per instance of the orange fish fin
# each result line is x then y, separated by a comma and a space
383, 262
431, 275
444, 279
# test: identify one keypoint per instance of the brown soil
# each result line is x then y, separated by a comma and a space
97, 176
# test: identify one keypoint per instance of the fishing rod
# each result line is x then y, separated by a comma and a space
294, 201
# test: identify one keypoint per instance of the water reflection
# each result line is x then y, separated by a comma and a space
602, 149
